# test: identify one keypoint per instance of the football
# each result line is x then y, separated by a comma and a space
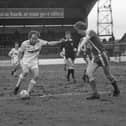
24, 94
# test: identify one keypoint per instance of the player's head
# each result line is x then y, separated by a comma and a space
68, 35
33, 36
16, 45
80, 27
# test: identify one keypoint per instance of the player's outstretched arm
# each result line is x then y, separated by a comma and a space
52, 43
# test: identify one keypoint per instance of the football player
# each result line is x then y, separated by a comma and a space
100, 58
14, 54
29, 51
70, 51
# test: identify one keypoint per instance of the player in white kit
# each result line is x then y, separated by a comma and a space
14, 54
29, 51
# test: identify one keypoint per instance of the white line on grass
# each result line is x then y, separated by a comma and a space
73, 94
56, 95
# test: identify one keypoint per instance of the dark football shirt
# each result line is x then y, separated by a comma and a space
69, 47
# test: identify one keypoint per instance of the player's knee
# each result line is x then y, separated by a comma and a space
33, 81
90, 76
21, 76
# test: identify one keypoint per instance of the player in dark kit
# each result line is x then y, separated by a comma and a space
99, 58
70, 51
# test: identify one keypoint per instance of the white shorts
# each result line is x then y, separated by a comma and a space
26, 67
15, 62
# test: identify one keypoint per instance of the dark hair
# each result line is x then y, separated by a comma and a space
16, 43
67, 32
80, 25
33, 32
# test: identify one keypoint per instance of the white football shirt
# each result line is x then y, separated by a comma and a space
31, 52
14, 53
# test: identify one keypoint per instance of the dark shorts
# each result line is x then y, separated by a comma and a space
72, 58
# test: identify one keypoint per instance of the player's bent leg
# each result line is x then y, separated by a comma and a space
31, 85
21, 76
71, 70
17, 67
68, 69
91, 68
13, 70
85, 77
25, 70
113, 81
35, 71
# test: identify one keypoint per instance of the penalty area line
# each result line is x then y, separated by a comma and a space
72, 94
57, 95
63, 94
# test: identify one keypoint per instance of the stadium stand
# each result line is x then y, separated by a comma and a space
51, 18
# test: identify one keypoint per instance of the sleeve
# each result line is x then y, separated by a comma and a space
43, 42
82, 44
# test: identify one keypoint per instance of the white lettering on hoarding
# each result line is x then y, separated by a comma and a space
32, 12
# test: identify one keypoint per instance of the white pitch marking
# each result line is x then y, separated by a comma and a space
56, 95
72, 94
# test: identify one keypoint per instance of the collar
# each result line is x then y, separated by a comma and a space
33, 44
68, 39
